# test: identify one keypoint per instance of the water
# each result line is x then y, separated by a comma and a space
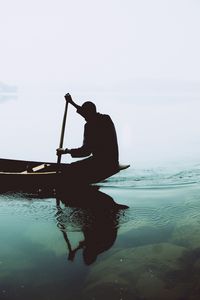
94, 251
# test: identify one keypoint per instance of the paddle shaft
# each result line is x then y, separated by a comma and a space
62, 131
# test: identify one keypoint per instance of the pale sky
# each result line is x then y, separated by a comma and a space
99, 42
137, 59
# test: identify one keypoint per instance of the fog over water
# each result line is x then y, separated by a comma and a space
152, 131
138, 61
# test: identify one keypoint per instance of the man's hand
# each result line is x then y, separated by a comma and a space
68, 98
61, 151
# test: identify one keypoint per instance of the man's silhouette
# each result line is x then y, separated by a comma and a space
99, 143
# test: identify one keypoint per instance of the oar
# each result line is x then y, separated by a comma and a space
63, 127
62, 135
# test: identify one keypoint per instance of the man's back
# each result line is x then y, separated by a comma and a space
102, 138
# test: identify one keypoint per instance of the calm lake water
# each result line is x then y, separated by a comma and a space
149, 251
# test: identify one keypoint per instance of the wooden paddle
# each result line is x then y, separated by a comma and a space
67, 98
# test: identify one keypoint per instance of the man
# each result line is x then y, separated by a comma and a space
99, 143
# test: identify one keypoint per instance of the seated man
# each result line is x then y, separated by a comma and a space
99, 143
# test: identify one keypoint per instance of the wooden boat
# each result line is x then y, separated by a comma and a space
21, 175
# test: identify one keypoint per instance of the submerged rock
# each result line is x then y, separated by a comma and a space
140, 273
187, 235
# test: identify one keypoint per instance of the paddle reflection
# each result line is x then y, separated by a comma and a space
98, 217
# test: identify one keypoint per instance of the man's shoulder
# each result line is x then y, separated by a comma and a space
104, 117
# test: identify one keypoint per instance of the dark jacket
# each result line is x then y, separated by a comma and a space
100, 140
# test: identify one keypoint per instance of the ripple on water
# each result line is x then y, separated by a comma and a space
22, 207
154, 178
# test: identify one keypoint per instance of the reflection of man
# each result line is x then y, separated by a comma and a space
100, 143
99, 222
98, 237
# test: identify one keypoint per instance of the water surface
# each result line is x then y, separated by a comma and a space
149, 251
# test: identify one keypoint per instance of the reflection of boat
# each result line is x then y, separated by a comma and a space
98, 220
31, 175
89, 197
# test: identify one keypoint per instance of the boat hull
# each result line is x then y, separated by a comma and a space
21, 175
33, 176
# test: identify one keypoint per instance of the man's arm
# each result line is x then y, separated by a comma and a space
69, 99
76, 152
83, 151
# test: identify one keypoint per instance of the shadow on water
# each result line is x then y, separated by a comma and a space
36, 266
97, 213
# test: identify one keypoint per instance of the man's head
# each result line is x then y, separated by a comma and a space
87, 110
